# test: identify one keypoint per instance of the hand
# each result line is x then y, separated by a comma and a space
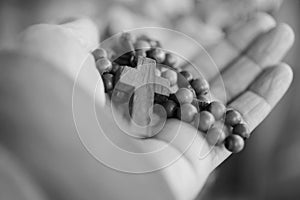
250, 68
47, 142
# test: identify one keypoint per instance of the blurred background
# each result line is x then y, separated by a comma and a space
269, 168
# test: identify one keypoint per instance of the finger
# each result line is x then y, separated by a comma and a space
254, 105
267, 50
85, 31
185, 138
241, 36
65, 45
257, 102
265, 92
223, 53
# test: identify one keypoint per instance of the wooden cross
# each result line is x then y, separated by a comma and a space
143, 82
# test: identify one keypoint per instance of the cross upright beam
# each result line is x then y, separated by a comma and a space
143, 82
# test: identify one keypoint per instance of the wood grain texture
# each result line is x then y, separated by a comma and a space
143, 82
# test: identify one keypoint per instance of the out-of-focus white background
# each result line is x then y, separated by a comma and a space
269, 168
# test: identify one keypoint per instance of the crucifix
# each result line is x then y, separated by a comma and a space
143, 84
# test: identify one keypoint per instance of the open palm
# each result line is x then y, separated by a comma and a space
48, 143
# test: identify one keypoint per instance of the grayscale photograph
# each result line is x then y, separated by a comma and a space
149, 100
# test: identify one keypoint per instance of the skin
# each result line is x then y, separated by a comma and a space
37, 82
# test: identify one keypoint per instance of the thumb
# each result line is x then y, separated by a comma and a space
67, 46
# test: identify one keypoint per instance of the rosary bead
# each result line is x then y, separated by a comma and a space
241, 130
187, 75
217, 109
115, 68
195, 103
184, 95
99, 53
156, 54
182, 82
126, 42
232, 117
215, 136
103, 65
186, 112
142, 45
108, 80
170, 60
171, 108
204, 120
192, 90
234, 143
170, 75
200, 85
155, 43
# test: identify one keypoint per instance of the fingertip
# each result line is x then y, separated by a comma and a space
287, 33
286, 71
284, 74
273, 83
263, 20
242, 35
269, 48
282, 34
